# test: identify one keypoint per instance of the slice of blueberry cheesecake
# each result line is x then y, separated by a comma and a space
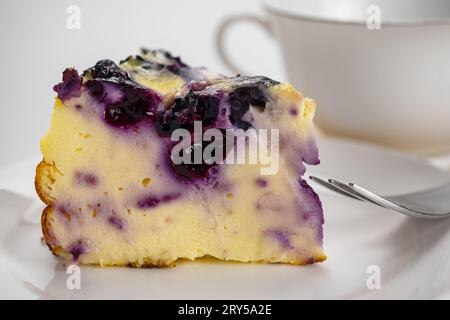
122, 188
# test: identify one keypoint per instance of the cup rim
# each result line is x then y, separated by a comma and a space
271, 6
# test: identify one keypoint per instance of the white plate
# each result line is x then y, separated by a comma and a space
412, 255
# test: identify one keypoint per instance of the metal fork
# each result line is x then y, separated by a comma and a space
429, 204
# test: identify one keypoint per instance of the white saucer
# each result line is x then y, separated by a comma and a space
412, 256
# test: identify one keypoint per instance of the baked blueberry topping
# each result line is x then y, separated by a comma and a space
107, 69
282, 237
126, 102
77, 249
208, 169
87, 179
70, 85
246, 94
152, 201
96, 90
261, 182
136, 105
168, 61
116, 222
195, 171
185, 110
312, 209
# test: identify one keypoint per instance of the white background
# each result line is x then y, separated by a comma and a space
36, 47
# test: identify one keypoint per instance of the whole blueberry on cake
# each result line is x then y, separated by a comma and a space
115, 194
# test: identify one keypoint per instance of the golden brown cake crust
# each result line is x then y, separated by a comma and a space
38, 185
42, 183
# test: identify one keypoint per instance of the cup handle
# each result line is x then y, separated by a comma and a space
223, 29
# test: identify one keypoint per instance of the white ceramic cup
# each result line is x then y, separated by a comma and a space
389, 85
